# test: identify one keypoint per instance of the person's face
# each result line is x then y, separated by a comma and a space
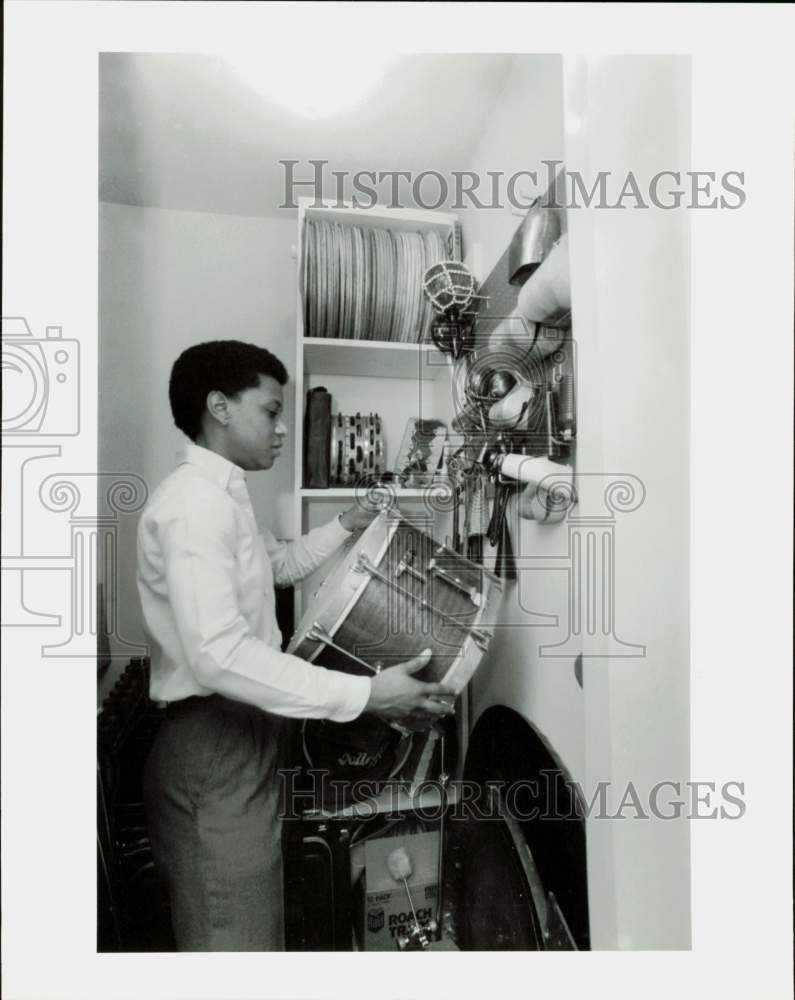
256, 429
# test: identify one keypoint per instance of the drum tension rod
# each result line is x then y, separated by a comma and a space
404, 566
319, 634
471, 592
363, 565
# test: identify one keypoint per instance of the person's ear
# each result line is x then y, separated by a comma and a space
218, 407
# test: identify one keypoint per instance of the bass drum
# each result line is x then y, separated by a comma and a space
394, 593
363, 750
490, 889
494, 896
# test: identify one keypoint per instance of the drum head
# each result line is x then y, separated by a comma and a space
353, 753
487, 883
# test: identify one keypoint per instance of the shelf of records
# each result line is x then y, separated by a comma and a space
362, 272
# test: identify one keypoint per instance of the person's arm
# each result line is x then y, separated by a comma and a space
293, 561
198, 546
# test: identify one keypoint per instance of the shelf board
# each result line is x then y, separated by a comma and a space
350, 492
407, 219
374, 359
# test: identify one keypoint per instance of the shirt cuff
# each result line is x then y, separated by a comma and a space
348, 701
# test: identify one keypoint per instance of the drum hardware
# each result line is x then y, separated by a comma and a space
399, 865
442, 781
417, 939
442, 549
471, 592
404, 566
361, 598
549, 420
363, 565
319, 634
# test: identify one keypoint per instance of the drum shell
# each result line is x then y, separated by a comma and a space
384, 603
406, 606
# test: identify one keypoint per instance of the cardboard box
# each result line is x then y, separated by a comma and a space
388, 913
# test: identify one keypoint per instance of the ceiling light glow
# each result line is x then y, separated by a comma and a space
312, 84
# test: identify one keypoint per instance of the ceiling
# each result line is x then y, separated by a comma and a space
186, 131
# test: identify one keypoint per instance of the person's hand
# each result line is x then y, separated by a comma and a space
357, 518
395, 694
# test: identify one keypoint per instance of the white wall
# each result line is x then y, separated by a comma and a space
630, 325
630, 287
525, 128
169, 279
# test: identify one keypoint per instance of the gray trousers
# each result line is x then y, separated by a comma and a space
212, 805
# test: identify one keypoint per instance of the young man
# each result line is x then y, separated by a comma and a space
206, 579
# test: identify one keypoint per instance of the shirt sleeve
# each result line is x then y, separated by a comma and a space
198, 546
293, 561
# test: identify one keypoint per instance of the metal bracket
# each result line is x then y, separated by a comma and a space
404, 566
320, 634
471, 592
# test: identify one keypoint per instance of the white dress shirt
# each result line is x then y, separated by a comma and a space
206, 579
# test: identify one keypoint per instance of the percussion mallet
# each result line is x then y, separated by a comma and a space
399, 864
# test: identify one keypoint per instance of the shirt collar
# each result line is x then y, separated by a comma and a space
217, 468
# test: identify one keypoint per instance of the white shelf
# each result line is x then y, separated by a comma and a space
374, 359
398, 381
350, 493
405, 219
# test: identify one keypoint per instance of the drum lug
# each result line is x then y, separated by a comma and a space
471, 592
363, 564
320, 634
404, 566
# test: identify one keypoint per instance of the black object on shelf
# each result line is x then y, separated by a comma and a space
317, 438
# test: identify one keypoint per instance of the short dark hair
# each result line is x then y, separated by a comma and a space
227, 365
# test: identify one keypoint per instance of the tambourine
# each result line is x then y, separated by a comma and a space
357, 448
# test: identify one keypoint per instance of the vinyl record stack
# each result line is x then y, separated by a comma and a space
366, 284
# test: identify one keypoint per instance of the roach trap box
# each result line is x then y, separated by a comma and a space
387, 911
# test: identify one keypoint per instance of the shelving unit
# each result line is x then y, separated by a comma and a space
350, 493
396, 380
372, 358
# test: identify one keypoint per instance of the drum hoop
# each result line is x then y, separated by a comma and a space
390, 534
394, 519
468, 644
